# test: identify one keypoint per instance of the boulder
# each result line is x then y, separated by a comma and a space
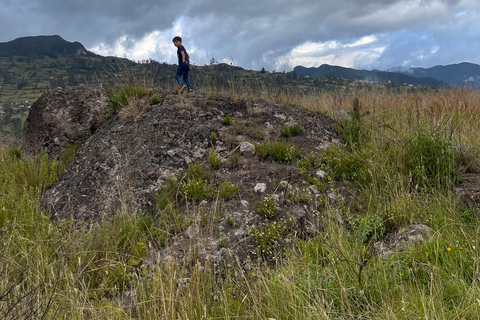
60, 118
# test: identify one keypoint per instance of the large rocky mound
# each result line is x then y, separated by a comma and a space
60, 118
133, 155
131, 158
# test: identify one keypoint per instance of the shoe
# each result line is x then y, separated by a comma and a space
181, 89
190, 90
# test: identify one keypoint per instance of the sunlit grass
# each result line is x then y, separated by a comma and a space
70, 269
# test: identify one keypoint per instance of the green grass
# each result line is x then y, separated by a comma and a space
70, 269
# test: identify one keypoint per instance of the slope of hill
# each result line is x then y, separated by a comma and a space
463, 74
38, 46
326, 70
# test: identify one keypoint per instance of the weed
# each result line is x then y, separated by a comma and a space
267, 207
154, 100
267, 236
289, 131
214, 159
227, 120
228, 190
341, 164
430, 158
280, 151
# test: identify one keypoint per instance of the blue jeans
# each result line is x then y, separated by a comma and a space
182, 72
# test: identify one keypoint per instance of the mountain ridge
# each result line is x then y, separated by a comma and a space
326, 70
37, 46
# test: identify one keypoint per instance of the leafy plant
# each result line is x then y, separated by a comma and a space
289, 131
280, 151
228, 190
267, 235
227, 120
214, 159
430, 158
267, 207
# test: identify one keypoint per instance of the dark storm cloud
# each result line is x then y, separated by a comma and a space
88, 21
256, 34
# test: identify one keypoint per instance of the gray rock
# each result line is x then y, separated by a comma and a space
260, 187
403, 239
247, 148
60, 118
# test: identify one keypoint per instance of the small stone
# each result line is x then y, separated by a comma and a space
321, 174
244, 203
192, 230
247, 148
260, 187
314, 190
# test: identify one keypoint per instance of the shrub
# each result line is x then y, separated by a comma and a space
228, 190
341, 164
227, 121
280, 151
430, 158
267, 235
267, 207
214, 159
154, 100
290, 131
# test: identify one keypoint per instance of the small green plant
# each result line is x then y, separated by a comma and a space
354, 132
122, 97
214, 159
194, 189
227, 120
267, 235
267, 207
228, 190
280, 151
69, 154
213, 137
154, 100
431, 157
230, 221
342, 164
307, 163
289, 131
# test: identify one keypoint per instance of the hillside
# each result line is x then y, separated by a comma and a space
376, 76
460, 75
38, 46
30, 66
312, 205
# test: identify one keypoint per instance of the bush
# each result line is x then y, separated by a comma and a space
341, 164
267, 207
290, 131
228, 190
430, 158
280, 151
227, 121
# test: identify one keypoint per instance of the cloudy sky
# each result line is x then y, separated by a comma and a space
275, 34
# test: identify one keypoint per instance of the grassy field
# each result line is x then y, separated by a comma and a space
400, 150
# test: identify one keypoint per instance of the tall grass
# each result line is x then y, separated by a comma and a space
69, 269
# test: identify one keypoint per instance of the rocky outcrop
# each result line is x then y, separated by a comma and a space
60, 118
131, 159
134, 153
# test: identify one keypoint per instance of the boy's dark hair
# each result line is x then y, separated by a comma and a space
177, 38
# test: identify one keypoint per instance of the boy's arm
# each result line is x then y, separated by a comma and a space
183, 56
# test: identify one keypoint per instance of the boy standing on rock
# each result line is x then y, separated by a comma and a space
183, 65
